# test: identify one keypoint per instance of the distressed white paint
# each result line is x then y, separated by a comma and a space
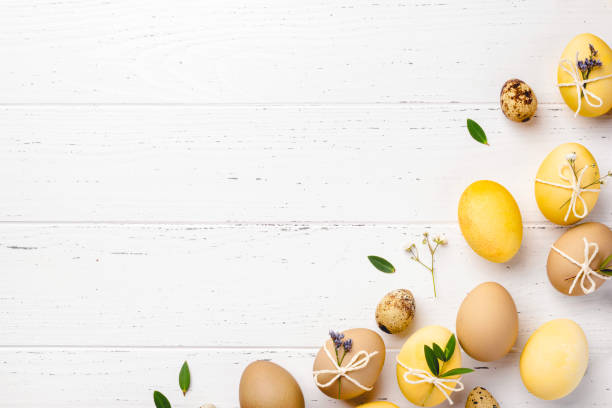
203, 181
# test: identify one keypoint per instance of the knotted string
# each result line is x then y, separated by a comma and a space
359, 361
574, 185
572, 69
585, 271
426, 377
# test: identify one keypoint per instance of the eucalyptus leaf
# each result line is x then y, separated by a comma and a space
456, 371
381, 264
432, 361
476, 131
450, 347
160, 400
606, 272
606, 262
438, 352
184, 378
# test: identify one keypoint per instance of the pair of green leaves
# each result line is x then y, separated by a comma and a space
435, 353
605, 266
381, 264
184, 381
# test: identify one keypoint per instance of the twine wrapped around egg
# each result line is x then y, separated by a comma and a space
585, 272
425, 377
573, 183
572, 69
359, 361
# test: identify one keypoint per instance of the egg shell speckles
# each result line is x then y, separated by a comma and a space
479, 397
395, 311
517, 100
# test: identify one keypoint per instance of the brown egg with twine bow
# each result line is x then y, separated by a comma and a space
349, 363
579, 262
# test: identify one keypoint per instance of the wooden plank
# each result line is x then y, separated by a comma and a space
278, 51
252, 285
99, 378
406, 163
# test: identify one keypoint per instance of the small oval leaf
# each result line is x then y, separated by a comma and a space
381, 264
476, 131
432, 361
456, 371
160, 400
438, 352
184, 378
450, 347
606, 262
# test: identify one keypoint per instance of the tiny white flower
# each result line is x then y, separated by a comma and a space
571, 157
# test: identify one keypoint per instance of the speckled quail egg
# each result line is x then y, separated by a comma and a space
479, 397
518, 101
395, 311
209, 405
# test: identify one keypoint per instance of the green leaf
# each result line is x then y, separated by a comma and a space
438, 352
450, 347
381, 264
456, 371
476, 131
160, 400
432, 361
184, 378
606, 272
606, 262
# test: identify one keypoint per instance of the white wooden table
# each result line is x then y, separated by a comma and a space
203, 180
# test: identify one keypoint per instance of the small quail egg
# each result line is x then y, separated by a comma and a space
395, 311
518, 101
479, 397
208, 405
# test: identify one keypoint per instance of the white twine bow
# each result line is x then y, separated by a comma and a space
585, 271
572, 69
359, 361
426, 377
574, 185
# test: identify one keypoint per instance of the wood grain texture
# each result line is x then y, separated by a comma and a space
275, 164
278, 51
253, 285
125, 378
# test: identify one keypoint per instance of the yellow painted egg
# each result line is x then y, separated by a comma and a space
487, 322
554, 359
490, 221
567, 165
573, 59
412, 355
378, 404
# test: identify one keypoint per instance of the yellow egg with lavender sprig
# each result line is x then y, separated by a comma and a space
567, 184
584, 75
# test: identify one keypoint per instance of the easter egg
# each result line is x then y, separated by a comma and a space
479, 397
554, 359
567, 165
364, 361
576, 56
378, 404
490, 221
487, 322
562, 272
412, 355
265, 384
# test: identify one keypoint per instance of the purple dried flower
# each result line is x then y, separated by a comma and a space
348, 345
593, 50
337, 338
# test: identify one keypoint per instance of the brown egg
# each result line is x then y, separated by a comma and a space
487, 322
362, 340
268, 385
517, 100
561, 271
